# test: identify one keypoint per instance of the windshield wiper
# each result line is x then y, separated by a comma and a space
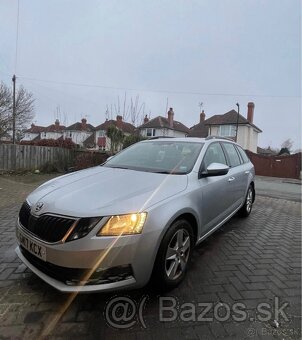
166, 172
169, 172
118, 167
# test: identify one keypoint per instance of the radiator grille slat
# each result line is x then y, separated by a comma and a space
46, 227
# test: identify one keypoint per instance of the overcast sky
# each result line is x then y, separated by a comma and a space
218, 52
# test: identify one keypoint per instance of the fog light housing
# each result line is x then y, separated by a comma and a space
104, 275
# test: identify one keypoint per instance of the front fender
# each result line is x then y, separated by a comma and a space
154, 231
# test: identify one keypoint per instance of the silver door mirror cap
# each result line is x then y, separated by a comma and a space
216, 169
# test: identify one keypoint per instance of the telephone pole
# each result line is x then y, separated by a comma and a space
14, 108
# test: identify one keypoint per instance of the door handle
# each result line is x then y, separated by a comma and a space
247, 172
231, 179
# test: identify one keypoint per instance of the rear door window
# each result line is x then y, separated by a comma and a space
232, 154
243, 154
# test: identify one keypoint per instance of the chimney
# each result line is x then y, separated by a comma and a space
32, 125
202, 116
84, 121
171, 117
57, 123
119, 120
250, 112
146, 119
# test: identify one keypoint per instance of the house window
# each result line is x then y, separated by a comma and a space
101, 133
150, 132
227, 130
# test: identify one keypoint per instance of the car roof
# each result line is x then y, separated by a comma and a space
190, 139
176, 139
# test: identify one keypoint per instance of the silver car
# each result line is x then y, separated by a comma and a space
136, 217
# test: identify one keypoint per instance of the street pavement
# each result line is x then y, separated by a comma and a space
287, 188
244, 282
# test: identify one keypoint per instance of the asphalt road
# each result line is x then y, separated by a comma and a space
286, 188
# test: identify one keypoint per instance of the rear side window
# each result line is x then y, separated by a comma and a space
243, 154
214, 154
232, 154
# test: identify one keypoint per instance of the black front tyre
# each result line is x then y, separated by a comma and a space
173, 256
248, 203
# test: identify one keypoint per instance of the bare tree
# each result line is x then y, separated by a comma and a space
5, 107
131, 110
287, 144
24, 109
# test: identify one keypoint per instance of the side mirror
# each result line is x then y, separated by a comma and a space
215, 169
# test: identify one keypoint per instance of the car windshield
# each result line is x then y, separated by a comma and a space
168, 157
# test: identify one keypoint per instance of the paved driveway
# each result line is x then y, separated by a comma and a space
244, 282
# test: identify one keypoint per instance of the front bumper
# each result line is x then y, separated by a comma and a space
90, 255
63, 287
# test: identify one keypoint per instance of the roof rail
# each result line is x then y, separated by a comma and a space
218, 137
157, 137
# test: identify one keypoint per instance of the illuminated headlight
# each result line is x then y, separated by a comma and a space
124, 225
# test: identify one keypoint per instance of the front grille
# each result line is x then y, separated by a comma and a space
46, 227
24, 214
75, 276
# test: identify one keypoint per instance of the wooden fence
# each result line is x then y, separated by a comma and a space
29, 157
277, 166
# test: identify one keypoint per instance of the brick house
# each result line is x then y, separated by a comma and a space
162, 126
225, 125
33, 133
102, 141
53, 131
78, 132
199, 130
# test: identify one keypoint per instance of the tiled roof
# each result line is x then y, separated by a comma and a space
54, 128
199, 130
124, 126
162, 122
89, 142
228, 118
35, 129
79, 127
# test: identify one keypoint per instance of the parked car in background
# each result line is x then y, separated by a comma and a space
135, 217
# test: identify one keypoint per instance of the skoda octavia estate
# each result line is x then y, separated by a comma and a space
137, 216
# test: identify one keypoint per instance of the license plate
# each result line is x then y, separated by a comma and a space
32, 246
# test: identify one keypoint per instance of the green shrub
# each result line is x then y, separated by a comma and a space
131, 139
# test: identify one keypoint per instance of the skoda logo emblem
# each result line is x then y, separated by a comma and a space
39, 206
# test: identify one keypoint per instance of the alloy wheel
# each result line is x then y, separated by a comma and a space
249, 200
177, 254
